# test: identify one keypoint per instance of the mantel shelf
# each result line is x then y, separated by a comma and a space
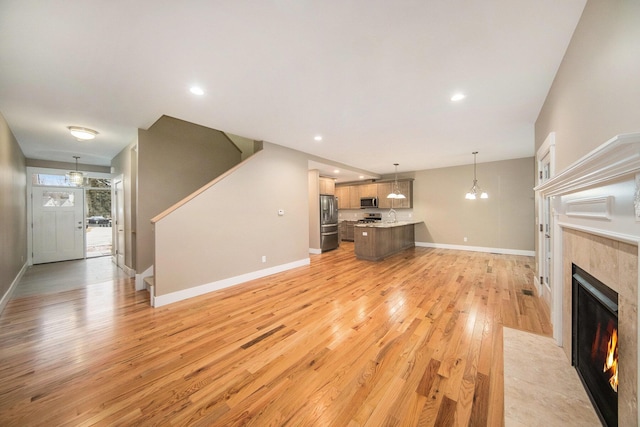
617, 157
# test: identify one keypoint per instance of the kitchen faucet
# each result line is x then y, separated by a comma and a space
395, 218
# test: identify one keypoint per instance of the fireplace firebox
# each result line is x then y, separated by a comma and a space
595, 342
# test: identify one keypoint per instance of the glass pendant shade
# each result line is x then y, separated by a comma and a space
475, 190
75, 177
395, 192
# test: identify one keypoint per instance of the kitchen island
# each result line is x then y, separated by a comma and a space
374, 242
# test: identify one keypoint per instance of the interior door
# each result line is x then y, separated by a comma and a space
119, 223
545, 223
58, 224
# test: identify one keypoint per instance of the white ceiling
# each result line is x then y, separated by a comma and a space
373, 77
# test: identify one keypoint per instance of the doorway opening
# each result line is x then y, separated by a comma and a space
99, 222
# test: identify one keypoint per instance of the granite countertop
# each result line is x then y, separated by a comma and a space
388, 224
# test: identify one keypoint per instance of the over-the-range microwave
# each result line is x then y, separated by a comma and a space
368, 202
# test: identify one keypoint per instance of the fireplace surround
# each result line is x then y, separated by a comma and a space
595, 224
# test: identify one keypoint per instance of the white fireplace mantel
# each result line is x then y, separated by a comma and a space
617, 157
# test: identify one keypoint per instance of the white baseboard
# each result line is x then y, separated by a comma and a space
161, 300
140, 278
315, 251
130, 272
476, 249
7, 296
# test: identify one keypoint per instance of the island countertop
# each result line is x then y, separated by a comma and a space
376, 241
384, 224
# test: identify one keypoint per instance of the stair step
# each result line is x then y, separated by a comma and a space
149, 281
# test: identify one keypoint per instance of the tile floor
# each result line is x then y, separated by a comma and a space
541, 388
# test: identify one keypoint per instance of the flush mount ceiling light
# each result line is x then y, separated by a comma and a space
458, 97
75, 177
395, 192
318, 138
475, 188
82, 134
196, 90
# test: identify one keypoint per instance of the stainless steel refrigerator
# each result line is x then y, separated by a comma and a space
328, 223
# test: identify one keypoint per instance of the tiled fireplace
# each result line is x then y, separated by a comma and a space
596, 226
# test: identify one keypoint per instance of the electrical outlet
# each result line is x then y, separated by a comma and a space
465, 239
364, 233
264, 258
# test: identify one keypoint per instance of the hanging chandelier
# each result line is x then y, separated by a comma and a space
395, 192
475, 188
75, 177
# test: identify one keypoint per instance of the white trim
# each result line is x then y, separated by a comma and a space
555, 275
547, 149
7, 296
130, 272
140, 278
172, 297
617, 157
590, 207
315, 251
501, 251
627, 238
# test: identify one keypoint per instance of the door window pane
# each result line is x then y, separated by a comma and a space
58, 199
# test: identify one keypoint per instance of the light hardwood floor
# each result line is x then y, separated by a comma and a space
413, 340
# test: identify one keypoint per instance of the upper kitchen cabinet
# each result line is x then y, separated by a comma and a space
349, 195
406, 188
367, 190
327, 186
384, 188
343, 196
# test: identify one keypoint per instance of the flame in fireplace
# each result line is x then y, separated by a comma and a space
611, 361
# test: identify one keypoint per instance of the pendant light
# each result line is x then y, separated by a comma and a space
75, 177
475, 188
395, 192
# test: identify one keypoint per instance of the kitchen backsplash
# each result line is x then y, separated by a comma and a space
356, 214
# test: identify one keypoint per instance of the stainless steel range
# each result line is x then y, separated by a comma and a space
370, 217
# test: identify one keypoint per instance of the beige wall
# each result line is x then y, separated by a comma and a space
124, 165
246, 145
314, 209
596, 92
224, 231
504, 221
13, 208
175, 158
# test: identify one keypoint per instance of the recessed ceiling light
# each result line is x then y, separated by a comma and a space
336, 171
82, 134
318, 137
196, 90
361, 177
458, 97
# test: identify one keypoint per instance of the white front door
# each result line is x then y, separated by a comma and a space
119, 223
58, 224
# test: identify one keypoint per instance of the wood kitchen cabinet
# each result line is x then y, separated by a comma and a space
384, 188
327, 186
405, 187
367, 190
347, 230
349, 195
343, 196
